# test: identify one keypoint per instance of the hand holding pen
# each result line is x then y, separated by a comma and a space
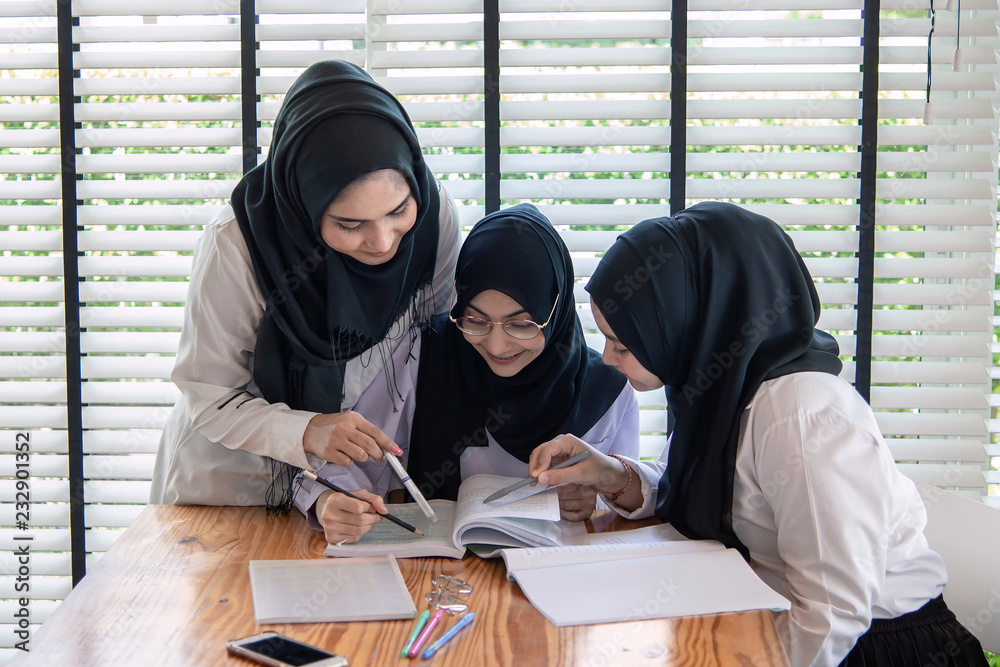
349, 515
345, 437
508, 492
599, 470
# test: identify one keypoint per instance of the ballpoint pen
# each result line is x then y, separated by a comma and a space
421, 620
528, 480
454, 630
404, 477
333, 487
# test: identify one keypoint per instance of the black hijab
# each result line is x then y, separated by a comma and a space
565, 389
713, 301
324, 308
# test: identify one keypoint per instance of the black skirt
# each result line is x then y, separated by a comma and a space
930, 636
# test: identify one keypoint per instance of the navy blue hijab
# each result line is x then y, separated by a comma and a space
713, 301
565, 389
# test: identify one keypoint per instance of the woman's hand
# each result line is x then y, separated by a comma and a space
347, 519
598, 471
346, 437
576, 502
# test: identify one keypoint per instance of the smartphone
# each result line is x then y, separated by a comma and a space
277, 650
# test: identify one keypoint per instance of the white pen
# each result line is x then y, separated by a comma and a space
404, 477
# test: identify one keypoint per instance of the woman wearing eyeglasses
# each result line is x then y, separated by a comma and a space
772, 453
507, 370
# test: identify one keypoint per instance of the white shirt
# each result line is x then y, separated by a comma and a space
217, 445
617, 432
829, 520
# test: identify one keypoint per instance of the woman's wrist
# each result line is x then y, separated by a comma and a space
617, 480
321, 500
308, 444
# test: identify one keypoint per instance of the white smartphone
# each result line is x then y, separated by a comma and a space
277, 650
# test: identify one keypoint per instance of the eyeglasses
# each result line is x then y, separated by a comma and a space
522, 329
449, 584
446, 602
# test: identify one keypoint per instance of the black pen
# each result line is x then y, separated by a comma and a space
333, 487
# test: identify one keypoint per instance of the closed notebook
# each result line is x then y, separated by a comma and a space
316, 591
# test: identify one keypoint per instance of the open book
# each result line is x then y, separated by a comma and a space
529, 522
636, 575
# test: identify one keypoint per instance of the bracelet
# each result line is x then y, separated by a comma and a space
628, 481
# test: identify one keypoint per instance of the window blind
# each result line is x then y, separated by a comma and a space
158, 135
931, 348
431, 56
565, 105
32, 342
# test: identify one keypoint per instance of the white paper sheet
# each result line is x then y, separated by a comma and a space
682, 584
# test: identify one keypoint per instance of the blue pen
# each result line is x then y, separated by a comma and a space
455, 629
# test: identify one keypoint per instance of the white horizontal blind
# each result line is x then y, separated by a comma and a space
32, 340
937, 190
430, 55
158, 116
430, 58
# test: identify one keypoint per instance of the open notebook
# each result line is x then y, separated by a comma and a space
634, 575
530, 522
312, 591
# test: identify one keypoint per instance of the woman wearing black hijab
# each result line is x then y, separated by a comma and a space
771, 453
509, 369
305, 299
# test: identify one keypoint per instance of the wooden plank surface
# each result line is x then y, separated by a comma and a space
174, 588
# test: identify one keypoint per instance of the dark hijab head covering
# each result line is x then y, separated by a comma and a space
323, 308
713, 301
565, 389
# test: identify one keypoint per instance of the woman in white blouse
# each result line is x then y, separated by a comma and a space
507, 370
306, 298
771, 453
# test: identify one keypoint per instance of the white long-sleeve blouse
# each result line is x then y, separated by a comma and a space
829, 520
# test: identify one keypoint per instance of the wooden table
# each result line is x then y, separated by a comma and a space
175, 587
